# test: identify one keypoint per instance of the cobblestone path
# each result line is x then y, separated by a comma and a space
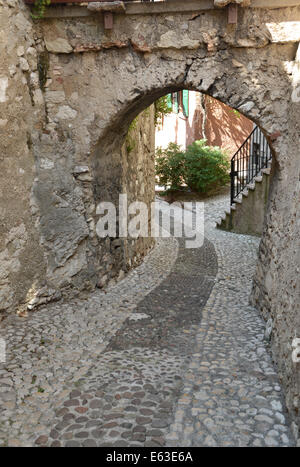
173, 355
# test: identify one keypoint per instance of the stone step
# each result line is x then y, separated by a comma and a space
266, 171
223, 221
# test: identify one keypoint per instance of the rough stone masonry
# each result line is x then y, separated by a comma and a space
68, 91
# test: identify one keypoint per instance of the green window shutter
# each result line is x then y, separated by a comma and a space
169, 101
185, 102
175, 102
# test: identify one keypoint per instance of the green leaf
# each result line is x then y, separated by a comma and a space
40, 8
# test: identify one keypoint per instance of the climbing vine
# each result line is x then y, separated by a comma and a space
161, 108
43, 65
40, 8
130, 141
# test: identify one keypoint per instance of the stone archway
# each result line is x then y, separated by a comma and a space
94, 82
94, 134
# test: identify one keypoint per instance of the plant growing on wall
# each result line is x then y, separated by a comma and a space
40, 8
130, 141
235, 112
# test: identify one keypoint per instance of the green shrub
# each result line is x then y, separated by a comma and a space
206, 167
202, 168
170, 166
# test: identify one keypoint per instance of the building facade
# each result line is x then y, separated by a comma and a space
196, 116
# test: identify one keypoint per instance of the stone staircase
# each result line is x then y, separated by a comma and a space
246, 214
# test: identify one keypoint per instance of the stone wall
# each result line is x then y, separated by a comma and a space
48, 244
21, 113
72, 180
247, 215
132, 174
276, 287
138, 156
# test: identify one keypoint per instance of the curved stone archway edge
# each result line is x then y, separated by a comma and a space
222, 3
81, 86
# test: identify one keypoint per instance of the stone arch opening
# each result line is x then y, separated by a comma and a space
114, 137
109, 156
118, 83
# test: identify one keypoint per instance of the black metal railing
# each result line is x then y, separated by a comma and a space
253, 156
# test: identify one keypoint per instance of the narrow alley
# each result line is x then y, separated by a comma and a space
171, 355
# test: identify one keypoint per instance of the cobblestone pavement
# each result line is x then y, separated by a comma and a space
52, 348
172, 355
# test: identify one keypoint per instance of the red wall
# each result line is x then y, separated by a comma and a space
223, 126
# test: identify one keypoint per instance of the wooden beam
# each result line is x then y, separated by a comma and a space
203, 4
113, 6
58, 10
232, 11
108, 20
31, 2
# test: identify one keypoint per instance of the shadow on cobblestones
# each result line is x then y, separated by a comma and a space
172, 306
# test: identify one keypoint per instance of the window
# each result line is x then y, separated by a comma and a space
179, 101
185, 102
